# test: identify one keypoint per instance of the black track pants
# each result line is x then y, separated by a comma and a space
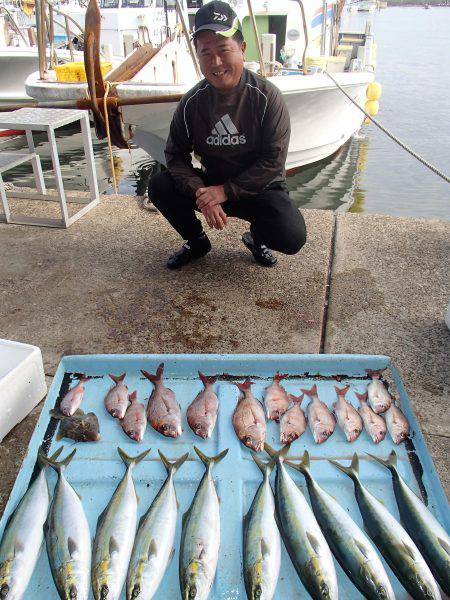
274, 220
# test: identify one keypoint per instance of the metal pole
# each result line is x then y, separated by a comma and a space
51, 37
324, 28
188, 40
305, 33
255, 32
69, 38
41, 41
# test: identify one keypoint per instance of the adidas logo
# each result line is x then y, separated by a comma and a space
224, 133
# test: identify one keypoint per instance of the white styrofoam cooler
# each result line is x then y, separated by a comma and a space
22, 382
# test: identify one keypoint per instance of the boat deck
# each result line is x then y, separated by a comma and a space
102, 287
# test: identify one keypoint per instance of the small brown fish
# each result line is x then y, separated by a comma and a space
374, 424
74, 397
201, 414
293, 422
320, 419
348, 418
248, 418
116, 400
378, 397
134, 422
397, 424
80, 427
163, 410
276, 399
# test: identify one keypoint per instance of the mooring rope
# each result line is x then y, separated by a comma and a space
391, 135
108, 135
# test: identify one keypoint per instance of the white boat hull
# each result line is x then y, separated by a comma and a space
322, 118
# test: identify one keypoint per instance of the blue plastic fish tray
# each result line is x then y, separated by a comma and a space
97, 468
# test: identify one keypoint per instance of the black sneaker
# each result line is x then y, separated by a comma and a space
261, 253
188, 253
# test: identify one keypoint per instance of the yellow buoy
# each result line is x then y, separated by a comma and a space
373, 91
372, 107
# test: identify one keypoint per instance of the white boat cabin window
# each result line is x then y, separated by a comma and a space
136, 3
109, 4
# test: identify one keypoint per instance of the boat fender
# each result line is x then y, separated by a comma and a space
372, 107
374, 91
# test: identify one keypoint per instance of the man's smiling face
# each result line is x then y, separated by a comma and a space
221, 59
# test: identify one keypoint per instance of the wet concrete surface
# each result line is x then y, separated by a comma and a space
102, 286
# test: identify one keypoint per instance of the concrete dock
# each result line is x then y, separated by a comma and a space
102, 287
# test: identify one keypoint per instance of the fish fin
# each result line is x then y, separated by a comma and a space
390, 462
78, 412
341, 391
59, 435
133, 396
207, 379
172, 467
18, 548
361, 397
58, 466
361, 548
171, 555
296, 399
277, 455
183, 518
265, 550
445, 545
246, 385
352, 471
208, 460
152, 549
72, 547
113, 546
312, 392
302, 466
314, 542
279, 376
118, 378
132, 460
157, 377
56, 414
264, 467
410, 551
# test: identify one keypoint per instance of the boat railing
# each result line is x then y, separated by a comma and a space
13, 24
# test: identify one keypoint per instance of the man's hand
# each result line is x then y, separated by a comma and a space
215, 216
210, 196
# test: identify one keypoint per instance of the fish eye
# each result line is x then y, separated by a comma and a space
324, 591
73, 592
4, 590
192, 592
136, 591
257, 592
104, 591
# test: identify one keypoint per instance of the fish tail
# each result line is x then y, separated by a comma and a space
207, 379
245, 385
312, 392
361, 397
264, 466
210, 460
83, 378
132, 397
117, 378
279, 376
157, 377
43, 464
296, 399
302, 466
172, 467
277, 455
132, 460
390, 462
341, 391
376, 373
352, 471
51, 462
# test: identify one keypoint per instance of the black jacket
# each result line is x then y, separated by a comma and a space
240, 137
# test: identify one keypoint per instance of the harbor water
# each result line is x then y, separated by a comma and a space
370, 174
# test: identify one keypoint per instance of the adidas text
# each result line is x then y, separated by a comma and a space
226, 140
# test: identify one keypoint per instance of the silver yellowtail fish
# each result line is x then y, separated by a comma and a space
68, 537
392, 540
200, 537
429, 535
302, 535
116, 528
262, 542
23, 537
153, 547
349, 544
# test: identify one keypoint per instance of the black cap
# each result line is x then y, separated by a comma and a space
217, 16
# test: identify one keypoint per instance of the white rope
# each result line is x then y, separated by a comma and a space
391, 135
